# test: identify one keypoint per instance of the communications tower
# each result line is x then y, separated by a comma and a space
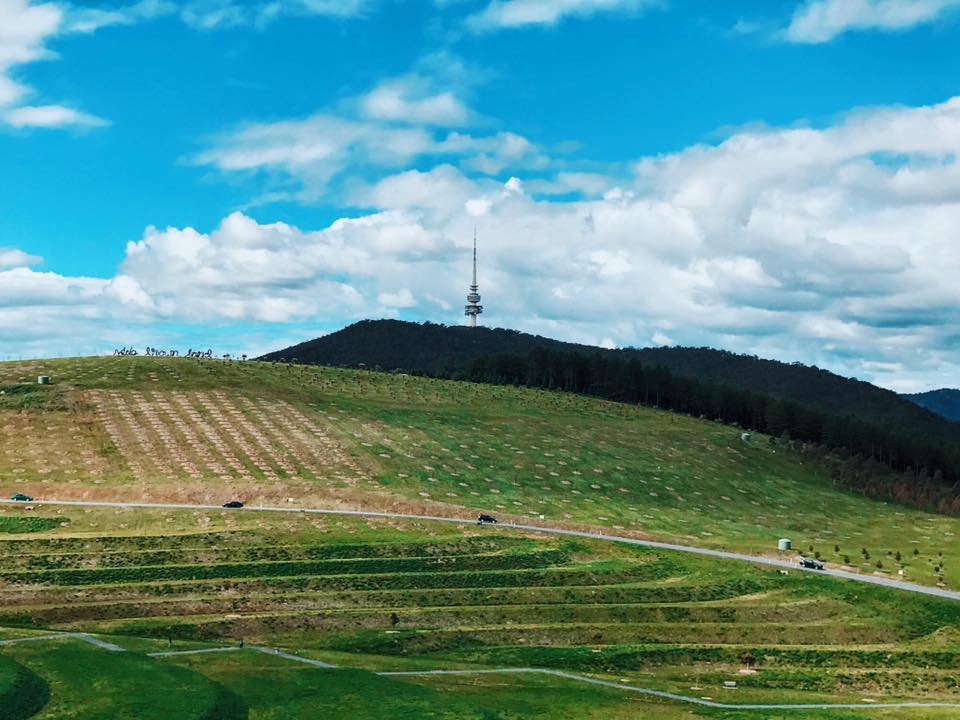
473, 306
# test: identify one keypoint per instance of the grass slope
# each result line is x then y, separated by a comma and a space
87, 683
177, 429
22, 692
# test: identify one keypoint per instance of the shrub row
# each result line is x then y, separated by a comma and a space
256, 553
614, 659
292, 568
580, 578
28, 524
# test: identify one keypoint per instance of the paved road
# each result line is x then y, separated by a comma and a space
546, 529
201, 651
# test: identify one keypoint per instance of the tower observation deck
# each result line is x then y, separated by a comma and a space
473, 306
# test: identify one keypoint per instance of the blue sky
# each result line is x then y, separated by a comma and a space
774, 177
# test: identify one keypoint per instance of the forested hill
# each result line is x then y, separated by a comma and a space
424, 348
453, 351
943, 402
808, 385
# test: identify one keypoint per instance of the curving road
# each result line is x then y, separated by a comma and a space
545, 529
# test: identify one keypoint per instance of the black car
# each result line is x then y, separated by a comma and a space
483, 518
810, 564
233, 504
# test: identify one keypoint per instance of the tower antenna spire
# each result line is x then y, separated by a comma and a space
473, 306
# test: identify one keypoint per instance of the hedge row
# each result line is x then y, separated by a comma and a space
28, 524
256, 553
614, 659
293, 568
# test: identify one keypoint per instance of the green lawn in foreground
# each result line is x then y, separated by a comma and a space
88, 683
22, 692
530, 453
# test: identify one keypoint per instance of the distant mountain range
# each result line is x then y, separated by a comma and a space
944, 402
432, 349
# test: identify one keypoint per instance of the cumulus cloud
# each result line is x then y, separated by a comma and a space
27, 26
400, 121
25, 29
402, 100
835, 246
819, 21
502, 14
50, 116
13, 258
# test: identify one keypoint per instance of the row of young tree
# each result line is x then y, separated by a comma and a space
930, 466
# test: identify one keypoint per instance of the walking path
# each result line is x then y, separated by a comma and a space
662, 694
672, 696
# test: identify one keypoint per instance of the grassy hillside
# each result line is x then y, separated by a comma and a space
372, 595
177, 429
86, 683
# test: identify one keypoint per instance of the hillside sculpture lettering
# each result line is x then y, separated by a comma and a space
191, 353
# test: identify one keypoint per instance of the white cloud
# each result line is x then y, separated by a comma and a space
25, 28
400, 121
14, 258
820, 21
209, 14
50, 116
84, 19
500, 14
836, 246
402, 299
401, 100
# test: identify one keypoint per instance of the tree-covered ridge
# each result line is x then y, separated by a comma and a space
422, 348
944, 402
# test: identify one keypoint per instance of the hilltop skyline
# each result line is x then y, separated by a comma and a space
775, 178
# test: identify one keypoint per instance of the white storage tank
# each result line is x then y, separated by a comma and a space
784, 544
43, 380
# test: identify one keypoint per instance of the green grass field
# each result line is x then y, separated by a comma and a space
377, 595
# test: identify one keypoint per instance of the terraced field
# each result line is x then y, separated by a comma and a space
386, 596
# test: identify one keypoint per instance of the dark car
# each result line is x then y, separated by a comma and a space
483, 518
20, 497
233, 504
810, 564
